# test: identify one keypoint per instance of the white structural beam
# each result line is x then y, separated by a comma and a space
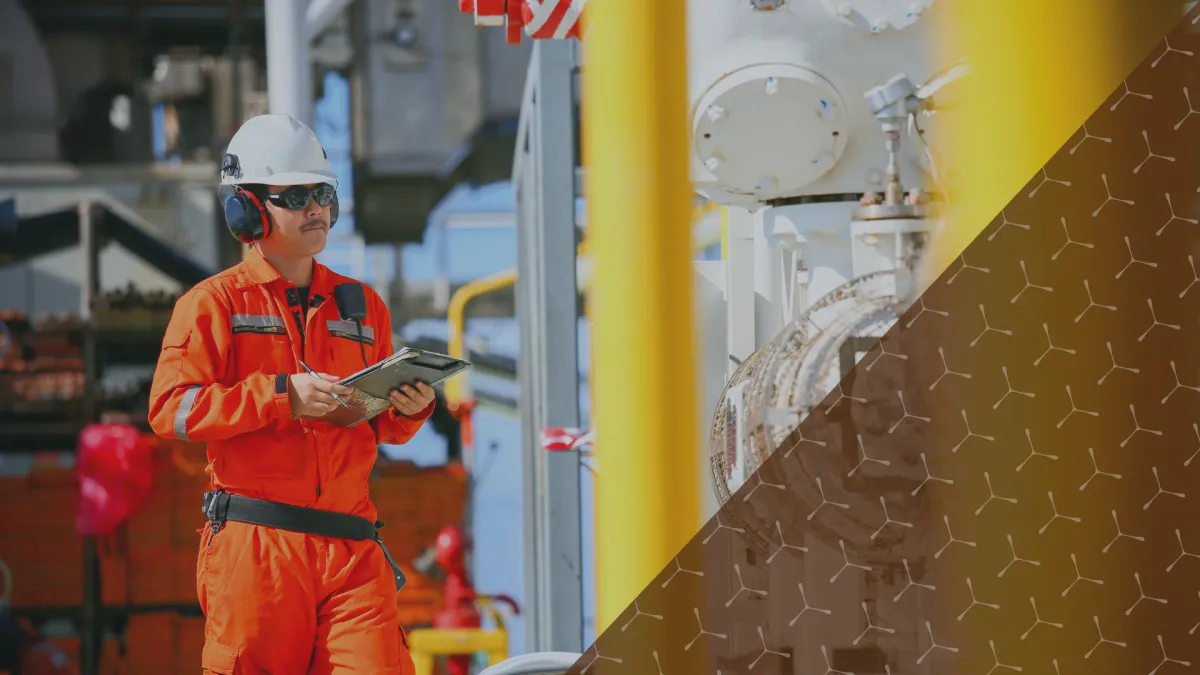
321, 13
547, 309
289, 85
740, 337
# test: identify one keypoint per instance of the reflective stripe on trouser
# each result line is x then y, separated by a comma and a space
284, 602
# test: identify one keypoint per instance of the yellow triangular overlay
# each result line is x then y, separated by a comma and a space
1009, 481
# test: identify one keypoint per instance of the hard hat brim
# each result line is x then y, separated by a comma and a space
293, 178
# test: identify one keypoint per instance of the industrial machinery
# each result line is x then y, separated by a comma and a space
468, 86
808, 125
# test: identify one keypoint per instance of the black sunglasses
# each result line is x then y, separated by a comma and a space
298, 197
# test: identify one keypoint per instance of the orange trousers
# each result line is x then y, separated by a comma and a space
283, 602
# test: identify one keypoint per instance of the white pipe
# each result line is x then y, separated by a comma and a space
289, 86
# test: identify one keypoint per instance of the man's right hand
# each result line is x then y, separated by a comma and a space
312, 397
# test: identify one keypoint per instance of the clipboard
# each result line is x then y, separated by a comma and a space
373, 385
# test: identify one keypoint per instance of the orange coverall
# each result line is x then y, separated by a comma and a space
278, 601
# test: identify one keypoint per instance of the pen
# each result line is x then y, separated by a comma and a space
314, 374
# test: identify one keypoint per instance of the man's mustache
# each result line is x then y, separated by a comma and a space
315, 222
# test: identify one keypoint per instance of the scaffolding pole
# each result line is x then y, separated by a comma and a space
639, 201
547, 308
93, 599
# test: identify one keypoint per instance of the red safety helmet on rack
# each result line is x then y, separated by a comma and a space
115, 468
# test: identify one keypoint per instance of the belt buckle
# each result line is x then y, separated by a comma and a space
211, 505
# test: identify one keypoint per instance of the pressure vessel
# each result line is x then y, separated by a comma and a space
776, 90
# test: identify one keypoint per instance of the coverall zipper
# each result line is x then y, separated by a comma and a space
304, 356
300, 327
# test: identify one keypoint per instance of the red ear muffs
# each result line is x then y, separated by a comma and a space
246, 217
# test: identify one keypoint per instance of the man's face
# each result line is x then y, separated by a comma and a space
296, 233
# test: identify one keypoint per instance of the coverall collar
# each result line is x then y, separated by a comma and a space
262, 272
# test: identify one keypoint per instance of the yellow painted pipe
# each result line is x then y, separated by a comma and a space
635, 149
456, 317
1039, 70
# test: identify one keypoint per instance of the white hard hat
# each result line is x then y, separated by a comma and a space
275, 149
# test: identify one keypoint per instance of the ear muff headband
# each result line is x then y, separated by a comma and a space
245, 216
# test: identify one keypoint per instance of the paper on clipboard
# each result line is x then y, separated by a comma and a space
373, 385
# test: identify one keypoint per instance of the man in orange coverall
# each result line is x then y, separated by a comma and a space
292, 575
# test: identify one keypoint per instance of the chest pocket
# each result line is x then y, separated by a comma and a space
262, 324
260, 344
348, 330
351, 346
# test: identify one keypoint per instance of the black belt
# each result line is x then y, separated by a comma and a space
220, 507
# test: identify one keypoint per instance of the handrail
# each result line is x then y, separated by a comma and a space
456, 318
456, 388
456, 312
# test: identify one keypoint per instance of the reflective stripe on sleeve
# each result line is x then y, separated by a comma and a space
185, 408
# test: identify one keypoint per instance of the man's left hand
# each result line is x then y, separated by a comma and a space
410, 401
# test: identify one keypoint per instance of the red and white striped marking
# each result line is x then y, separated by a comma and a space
557, 439
552, 19
487, 12
541, 19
